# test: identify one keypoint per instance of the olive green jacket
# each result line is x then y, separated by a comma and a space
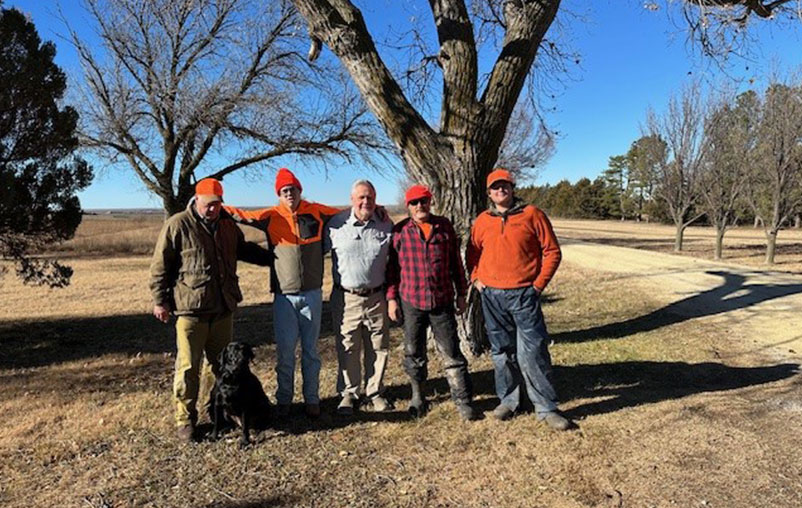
194, 271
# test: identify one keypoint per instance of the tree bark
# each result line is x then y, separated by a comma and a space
719, 241
679, 237
771, 245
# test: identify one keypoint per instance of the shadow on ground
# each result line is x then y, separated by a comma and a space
610, 387
48, 342
261, 503
629, 384
732, 294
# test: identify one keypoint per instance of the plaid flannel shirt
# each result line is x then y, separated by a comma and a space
425, 273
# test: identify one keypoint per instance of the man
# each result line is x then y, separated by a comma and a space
194, 276
360, 243
425, 272
295, 230
512, 256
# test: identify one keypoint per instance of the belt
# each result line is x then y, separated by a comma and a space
360, 291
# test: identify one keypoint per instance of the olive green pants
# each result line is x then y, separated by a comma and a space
196, 337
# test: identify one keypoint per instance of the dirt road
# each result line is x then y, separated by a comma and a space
760, 307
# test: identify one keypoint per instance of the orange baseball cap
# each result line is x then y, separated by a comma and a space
417, 192
210, 189
499, 174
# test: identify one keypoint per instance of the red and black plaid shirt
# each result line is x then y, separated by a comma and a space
425, 272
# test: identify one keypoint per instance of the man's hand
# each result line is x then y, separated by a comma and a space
461, 305
477, 284
537, 291
162, 313
393, 310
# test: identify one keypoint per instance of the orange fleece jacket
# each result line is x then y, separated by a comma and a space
513, 250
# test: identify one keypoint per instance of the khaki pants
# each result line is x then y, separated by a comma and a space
196, 337
362, 331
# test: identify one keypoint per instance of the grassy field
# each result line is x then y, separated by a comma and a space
681, 415
743, 245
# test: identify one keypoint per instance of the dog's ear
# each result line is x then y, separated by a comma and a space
248, 352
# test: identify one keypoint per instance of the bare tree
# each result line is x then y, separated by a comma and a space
682, 129
528, 142
775, 183
721, 27
732, 135
181, 86
454, 156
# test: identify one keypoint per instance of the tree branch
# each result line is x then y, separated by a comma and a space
458, 60
339, 24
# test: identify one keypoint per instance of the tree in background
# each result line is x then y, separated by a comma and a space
645, 157
732, 136
211, 87
681, 126
617, 177
775, 181
38, 173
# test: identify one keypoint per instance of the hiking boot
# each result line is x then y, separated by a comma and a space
467, 412
346, 406
379, 404
557, 421
312, 410
502, 413
282, 410
186, 433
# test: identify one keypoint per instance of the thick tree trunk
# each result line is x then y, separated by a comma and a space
771, 246
455, 159
174, 203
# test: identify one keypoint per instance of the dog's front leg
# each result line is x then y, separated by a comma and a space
246, 438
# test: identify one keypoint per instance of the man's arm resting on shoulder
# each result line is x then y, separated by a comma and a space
255, 218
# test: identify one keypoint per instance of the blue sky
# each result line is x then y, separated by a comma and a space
631, 58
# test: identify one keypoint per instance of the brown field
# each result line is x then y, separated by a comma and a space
743, 245
680, 414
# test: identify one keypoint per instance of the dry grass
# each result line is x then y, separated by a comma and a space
681, 415
120, 235
742, 245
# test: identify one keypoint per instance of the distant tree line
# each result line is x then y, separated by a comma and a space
730, 159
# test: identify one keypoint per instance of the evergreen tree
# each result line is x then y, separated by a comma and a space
38, 173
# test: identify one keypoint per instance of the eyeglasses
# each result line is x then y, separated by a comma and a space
421, 201
500, 185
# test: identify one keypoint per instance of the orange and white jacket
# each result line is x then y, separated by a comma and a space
514, 249
296, 241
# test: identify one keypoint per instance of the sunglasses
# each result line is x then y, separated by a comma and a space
422, 201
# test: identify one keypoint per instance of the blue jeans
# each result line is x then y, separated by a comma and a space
297, 315
519, 347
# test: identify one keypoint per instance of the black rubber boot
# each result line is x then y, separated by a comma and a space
418, 405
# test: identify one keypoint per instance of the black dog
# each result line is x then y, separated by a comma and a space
238, 396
